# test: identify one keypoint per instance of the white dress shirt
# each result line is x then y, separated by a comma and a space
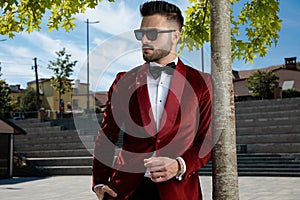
158, 91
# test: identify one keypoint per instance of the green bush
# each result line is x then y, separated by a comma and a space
289, 93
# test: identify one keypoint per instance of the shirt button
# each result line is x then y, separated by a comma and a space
158, 141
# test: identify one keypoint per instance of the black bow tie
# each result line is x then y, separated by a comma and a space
156, 70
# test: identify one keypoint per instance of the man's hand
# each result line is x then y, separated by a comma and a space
161, 168
100, 191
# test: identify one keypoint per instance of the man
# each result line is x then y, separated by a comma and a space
164, 114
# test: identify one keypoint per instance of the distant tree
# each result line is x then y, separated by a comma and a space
262, 84
5, 99
27, 100
62, 68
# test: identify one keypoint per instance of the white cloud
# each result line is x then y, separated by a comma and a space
48, 46
115, 18
118, 53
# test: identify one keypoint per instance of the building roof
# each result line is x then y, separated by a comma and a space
15, 88
41, 80
288, 78
240, 75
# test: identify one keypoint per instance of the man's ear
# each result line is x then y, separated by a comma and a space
176, 37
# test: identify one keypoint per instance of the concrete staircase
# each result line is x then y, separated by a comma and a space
269, 126
55, 151
268, 140
266, 164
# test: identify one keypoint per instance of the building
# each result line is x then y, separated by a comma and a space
74, 101
79, 97
15, 92
49, 98
288, 74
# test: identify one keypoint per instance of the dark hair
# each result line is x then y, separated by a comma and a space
171, 11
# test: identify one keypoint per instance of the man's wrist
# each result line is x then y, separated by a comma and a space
180, 167
182, 170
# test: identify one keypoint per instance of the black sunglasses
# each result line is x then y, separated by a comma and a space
150, 33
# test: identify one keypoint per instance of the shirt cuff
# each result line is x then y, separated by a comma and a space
180, 176
98, 185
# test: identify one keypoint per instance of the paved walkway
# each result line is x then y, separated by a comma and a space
78, 187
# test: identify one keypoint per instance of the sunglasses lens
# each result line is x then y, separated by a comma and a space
138, 34
151, 34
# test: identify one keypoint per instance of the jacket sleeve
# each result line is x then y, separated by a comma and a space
200, 152
106, 139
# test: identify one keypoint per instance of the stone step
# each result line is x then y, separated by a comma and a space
270, 138
273, 148
279, 166
87, 132
27, 123
46, 129
261, 122
62, 161
272, 114
269, 102
268, 155
61, 145
274, 161
53, 139
266, 108
57, 153
66, 170
274, 129
268, 173
36, 135
204, 172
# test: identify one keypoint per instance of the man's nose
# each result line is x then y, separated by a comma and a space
145, 40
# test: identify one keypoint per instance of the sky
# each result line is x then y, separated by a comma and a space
113, 47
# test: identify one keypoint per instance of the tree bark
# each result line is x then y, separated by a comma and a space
225, 175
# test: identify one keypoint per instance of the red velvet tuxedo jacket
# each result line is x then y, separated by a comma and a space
184, 131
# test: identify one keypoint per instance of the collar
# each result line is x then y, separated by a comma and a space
157, 64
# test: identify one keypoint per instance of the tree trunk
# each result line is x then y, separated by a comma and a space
225, 176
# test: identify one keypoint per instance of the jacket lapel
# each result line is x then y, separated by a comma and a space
173, 100
144, 101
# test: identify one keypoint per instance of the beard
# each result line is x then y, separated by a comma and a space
156, 55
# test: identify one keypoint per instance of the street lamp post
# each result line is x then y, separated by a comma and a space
202, 57
87, 62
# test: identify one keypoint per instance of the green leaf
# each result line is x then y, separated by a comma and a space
252, 22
